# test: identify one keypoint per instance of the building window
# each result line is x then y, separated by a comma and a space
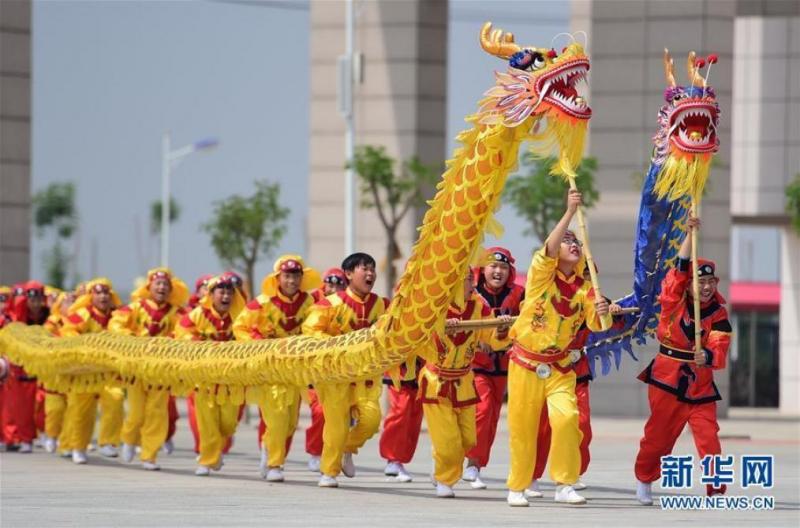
754, 359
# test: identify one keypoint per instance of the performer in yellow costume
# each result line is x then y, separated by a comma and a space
90, 313
352, 309
155, 310
55, 403
447, 391
212, 319
557, 302
279, 311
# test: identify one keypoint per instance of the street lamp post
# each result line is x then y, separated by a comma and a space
169, 159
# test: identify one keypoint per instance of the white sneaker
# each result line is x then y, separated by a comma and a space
313, 464
262, 464
151, 466
471, 473
348, 466
517, 498
79, 457
533, 491
274, 475
568, 495
109, 451
328, 482
50, 444
392, 469
128, 452
25, 447
40, 440
168, 447
202, 471
444, 492
478, 483
578, 486
644, 493
403, 475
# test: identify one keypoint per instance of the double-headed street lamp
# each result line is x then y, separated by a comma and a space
169, 159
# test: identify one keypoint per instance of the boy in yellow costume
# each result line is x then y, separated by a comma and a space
447, 390
279, 311
155, 310
345, 311
90, 313
55, 403
212, 319
557, 302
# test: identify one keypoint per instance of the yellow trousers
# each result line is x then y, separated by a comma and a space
527, 394
81, 414
342, 402
215, 423
453, 433
112, 413
147, 422
55, 406
280, 408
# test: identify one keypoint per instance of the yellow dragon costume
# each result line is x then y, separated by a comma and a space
536, 99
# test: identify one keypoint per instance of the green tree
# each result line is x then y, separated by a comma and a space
793, 202
155, 214
54, 212
391, 193
245, 229
539, 197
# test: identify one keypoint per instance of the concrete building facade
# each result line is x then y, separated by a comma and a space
400, 104
15, 139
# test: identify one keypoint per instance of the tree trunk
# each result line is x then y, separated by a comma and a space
249, 271
392, 252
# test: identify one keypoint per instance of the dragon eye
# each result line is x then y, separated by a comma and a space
678, 96
538, 62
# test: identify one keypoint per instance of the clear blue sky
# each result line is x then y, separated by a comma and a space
109, 77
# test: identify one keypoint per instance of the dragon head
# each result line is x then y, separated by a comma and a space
687, 130
539, 83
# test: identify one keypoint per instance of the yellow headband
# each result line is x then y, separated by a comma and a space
237, 303
311, 278
177, 296
85, 299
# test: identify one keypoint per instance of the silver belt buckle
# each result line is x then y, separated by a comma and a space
575, 355
543, 370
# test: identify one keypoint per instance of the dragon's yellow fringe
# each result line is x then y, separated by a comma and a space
682, 176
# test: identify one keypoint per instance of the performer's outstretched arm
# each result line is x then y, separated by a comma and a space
553, 242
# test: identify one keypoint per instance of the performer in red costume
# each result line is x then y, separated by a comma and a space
333, 281
495, 283
19, 401
403, 421
682, 388
5, 301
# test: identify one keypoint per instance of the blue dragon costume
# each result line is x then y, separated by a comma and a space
685, 143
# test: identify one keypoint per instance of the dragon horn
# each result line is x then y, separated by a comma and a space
669, 68
693, 71
497, 42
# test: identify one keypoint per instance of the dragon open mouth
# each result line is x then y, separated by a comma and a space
563, 88
693, 127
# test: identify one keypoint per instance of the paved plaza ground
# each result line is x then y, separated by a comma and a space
41, 490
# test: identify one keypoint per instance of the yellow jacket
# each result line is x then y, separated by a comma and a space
343, 312
144, 317
204, 324
84, 321
554, 309
447, 373
271, 317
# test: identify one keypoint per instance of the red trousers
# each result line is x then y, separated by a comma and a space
491, 391
668, 416
173, 417
190, 412
19, 407
314, 431
402, 425
584, 424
